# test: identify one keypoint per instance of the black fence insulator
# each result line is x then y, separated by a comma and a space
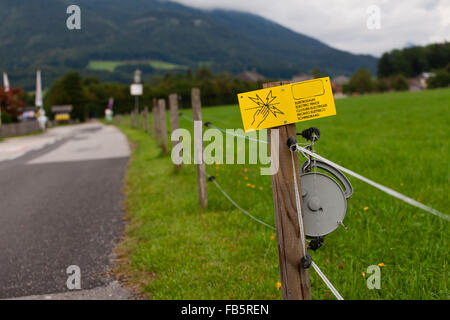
308, 134
292, 143
306, 261
211, 179
181, 114
316, 243
208, 124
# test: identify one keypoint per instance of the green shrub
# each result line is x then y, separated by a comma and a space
399, 83
440, 80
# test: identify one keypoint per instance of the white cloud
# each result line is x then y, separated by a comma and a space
342, 24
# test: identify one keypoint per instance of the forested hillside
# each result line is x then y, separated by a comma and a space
34, 35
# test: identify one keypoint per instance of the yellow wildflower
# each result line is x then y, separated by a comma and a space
366, 208
278, 285
381, 265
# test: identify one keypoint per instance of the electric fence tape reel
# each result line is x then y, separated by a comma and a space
324, 195
324, 199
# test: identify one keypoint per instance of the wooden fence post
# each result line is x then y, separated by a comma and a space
145, 119
198, 147
174, 120
155, 119
295, 284
134, 119
163, 126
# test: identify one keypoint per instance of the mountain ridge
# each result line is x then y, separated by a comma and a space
34, 35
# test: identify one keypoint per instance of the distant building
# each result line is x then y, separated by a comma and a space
415, 84
419, 83
251, 76
27, 114
336, 88
426, 75
302, 77
341, 80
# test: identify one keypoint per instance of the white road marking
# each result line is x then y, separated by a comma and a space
96, 142
13, 148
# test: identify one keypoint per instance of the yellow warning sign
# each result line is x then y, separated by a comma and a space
296, 102
62, 117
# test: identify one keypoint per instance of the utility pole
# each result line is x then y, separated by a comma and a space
295, 284
136, 90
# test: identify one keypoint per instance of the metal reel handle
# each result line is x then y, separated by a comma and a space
333, 171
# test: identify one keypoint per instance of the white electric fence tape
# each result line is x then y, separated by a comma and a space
327, 282
380, 187
387, 190
239, 207
319, 272
299, 206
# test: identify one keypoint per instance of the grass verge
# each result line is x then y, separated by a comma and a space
173, 250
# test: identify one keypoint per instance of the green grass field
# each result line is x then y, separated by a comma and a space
173, 250
103, 65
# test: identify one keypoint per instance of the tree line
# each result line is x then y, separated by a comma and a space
413, 61
89, 96
395, 67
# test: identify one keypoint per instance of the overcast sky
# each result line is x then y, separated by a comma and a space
343, 23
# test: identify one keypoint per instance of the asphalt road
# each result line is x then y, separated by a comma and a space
60, 205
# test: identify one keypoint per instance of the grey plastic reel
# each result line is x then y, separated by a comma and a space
324, 200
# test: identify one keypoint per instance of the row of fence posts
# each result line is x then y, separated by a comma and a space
160, 133
295, 284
